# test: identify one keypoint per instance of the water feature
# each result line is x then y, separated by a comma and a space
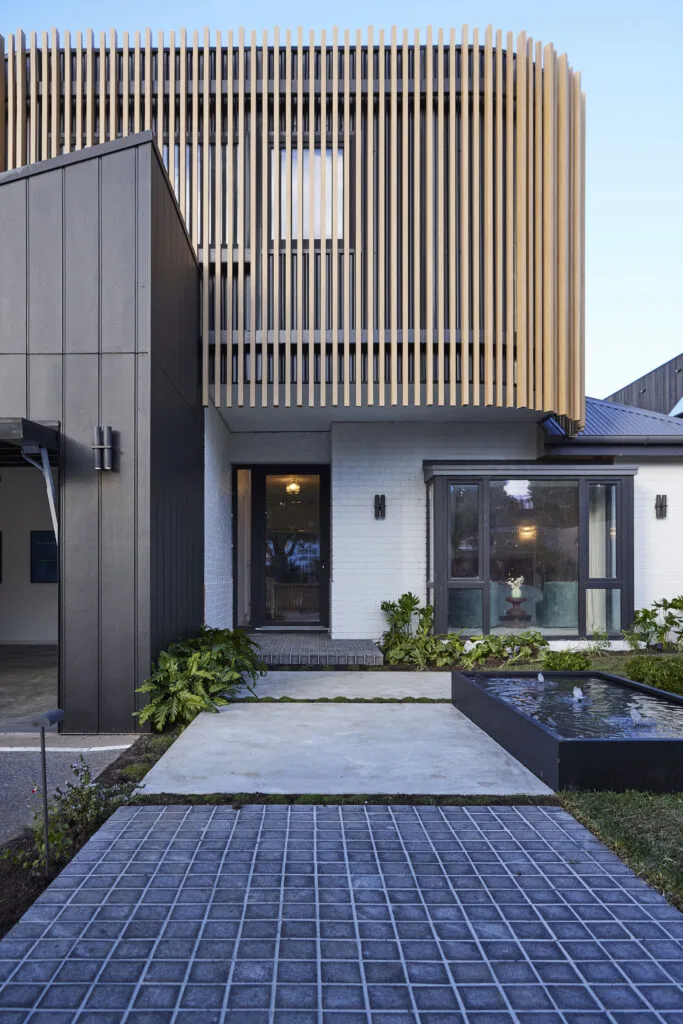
600, 708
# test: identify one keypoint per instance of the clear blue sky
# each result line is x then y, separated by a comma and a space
629, 55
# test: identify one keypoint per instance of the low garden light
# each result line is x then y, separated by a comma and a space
46, 720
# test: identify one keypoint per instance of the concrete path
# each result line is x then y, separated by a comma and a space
338, 748
20, 769
309, 685
344, 915
28, 684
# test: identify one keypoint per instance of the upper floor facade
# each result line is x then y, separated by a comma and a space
383, 220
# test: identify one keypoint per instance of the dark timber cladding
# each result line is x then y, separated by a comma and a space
380, 219
660, 390
98, 325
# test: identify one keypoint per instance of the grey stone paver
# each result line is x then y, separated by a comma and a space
315, 649
345, 914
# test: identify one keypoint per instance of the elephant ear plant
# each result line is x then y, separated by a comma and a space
199, 674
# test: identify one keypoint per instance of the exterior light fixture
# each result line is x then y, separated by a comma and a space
380, 506
527, 532
293, 487
660, 506
103, 448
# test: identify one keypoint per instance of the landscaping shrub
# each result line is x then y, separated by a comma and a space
507, 648
199, 674
655, 670
74, 813
660, 626
409, 640
566, 661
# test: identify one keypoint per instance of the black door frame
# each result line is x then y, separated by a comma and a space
259, 473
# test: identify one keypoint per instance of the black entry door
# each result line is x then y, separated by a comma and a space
291, 530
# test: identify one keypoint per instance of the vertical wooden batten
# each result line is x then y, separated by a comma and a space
241, 214
464, 220
33, 126
520, 250
370, 219
276, 232
346, 242
489, 255
229, 221
5, 121
417, 226
359, 260
428, 224
263, 260
323, 218
381, 235
499, 322
206, 262
300, 217
392, 233
405, 223
253, 238
46, 94
218, 200
288, 218
334, 262
476, 194
311, 219
453, 261
440, 214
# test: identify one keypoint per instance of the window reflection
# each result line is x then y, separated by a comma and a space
311, 161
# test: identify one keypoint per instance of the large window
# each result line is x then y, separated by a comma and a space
547, 553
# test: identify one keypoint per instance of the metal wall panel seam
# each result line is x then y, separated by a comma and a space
195, 197
253, 262
359, 261
334, 260
33, 126
417, 224
300, 215
206, 262
276, 232
241, 233
323, 218
264, 277
137, 72
464, 261
346, 249
405, 224
476, 197
45, 98
392, 227
440, 214
217, 223
381, 237
499, 336
429, 217
229, 226
521, 398
288, 218
489, 259
452, 222
311, 219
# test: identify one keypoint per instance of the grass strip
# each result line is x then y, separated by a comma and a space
238, 800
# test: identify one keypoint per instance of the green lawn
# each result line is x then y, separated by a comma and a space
644, 829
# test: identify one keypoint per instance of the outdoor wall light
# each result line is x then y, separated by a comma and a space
103, 448
380, 506
660, 506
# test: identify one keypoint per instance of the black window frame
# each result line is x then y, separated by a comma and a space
438, 588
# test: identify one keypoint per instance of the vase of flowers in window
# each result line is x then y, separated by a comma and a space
515, 613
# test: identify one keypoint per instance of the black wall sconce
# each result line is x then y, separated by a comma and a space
380, 506
103, 448
660, 506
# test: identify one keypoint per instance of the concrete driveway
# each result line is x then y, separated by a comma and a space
339, 748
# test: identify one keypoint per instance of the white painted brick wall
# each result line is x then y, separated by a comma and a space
658, 543
377, 559
217, 521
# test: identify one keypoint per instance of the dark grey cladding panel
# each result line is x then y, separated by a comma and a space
12, 274
82, 318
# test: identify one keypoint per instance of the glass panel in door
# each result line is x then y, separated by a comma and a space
293, 569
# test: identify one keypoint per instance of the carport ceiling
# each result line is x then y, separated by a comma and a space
16, 432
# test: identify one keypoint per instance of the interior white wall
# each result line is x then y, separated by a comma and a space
217, 522
28, 611
657, 543
377, 559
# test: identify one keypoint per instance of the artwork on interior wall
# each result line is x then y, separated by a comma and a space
44, 557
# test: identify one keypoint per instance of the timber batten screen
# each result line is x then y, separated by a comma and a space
399, 223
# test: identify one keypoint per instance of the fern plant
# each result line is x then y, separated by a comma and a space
199, 674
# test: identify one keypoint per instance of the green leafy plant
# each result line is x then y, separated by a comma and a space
199, 674
598, 645
658, 627
666, 673
505, 648
74, 813
566, 661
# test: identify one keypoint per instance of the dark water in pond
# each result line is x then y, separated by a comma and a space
606, 710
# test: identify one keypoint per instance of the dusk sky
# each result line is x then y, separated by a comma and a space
629, 56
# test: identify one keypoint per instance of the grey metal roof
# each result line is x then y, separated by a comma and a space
611, 420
